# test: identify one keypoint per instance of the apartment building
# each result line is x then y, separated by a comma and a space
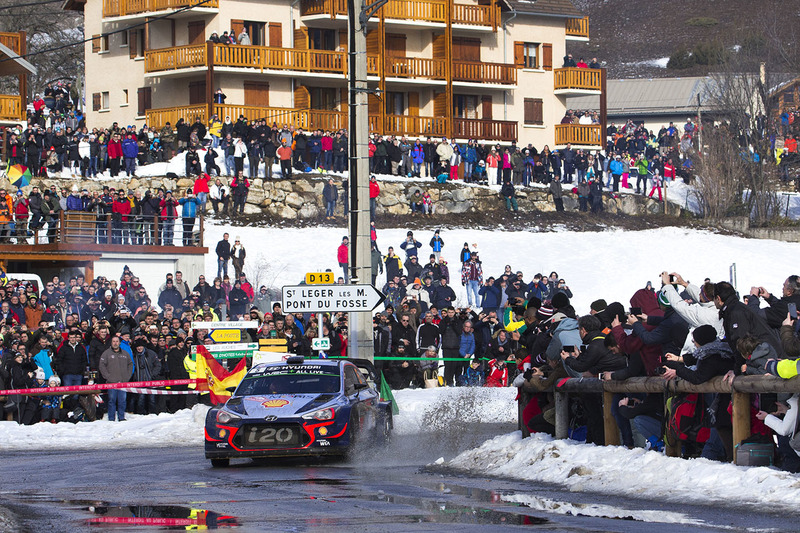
485, 69
13, 45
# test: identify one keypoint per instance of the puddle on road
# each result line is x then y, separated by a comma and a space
162, 517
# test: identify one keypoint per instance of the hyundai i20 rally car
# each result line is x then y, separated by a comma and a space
299, 408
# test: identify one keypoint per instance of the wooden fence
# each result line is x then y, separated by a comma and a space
577, 78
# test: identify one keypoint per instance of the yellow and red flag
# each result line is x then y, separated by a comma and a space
212, 377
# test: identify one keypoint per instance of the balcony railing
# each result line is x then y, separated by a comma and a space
408, 67
578, 27
419, 10
480, 72
579, 134
308, 119
11, 40
263, 57
175, 58
584, 79
499, 130
119, 8
11, 108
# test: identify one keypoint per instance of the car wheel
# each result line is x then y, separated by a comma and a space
385, 429
220, 463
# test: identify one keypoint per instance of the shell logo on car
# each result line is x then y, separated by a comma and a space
275, 403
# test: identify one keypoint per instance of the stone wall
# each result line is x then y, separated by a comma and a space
301, 197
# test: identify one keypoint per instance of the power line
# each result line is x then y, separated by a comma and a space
121, 30
31, 4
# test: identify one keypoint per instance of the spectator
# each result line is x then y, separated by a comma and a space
238, 254
343, 256
223, 251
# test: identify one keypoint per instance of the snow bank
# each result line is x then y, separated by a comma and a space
182, 428
637, 473
422, 408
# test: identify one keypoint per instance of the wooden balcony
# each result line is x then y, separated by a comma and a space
433, 11
408, 67
120, 8
11, 108
578, 29
310, 119
479, 72
578, 134
175, 58
490, 130
577, 80
11, 40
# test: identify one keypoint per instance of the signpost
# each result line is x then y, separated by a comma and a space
226, 335
320, 278
330, 298
321, 344
230, 351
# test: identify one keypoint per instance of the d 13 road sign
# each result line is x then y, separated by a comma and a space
320, 278
330, 298
323, 344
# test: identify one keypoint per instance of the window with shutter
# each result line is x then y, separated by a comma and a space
534, 111
547, 56
519, 54
95, 44
132, 42
144, 94
96, 102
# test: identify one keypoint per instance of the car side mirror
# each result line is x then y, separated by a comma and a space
231, 389
360, 386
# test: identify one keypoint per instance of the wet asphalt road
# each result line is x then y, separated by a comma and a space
389, 490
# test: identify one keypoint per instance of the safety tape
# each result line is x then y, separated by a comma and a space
97, 387
380, 358
146, 521
158, 392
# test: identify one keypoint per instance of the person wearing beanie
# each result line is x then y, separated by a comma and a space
436, 244
597, 306
560, 300
711, 357
670, 332
410, 245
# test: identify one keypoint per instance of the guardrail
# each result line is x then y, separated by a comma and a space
157, 118
11, 40
475, 15
264, 57
577, 78
419, 10
408, 67
118, 8
490, 130
740, 390
580, 134
177, 57
480, 72
578, 27
11, 107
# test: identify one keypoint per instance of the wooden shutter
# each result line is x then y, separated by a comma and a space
344, 39
132, 43
197, 32
144, 96
236, 27
275, 35
486, 107
395, 45
256, 93
95, 44
302, 98
519, 54
301, 38
343, 100
547, 56
466, 49
439, 45
413, 104
440, 105
96, 101
373, 104
373, 43
534, 111
197, 92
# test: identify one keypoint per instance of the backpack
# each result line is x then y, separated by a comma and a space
687, 418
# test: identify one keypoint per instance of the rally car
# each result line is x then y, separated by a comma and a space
299, 408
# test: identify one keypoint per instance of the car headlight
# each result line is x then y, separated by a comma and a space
224, 417
322, 414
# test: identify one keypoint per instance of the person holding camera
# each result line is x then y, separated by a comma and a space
410, 245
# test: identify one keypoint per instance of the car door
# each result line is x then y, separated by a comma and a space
364, 400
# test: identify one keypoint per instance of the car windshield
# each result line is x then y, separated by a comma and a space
307, 379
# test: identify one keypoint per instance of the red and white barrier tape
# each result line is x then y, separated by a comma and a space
158, 392
97, 387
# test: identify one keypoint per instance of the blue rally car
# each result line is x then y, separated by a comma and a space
299, 408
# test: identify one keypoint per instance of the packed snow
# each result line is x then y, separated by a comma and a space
636, 473
418, 409
611, 264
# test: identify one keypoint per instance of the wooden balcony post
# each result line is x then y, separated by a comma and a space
209, 74
108, 229
156, 235
61, 230
603, 110
448, 59
202, 229
741, 419
609, 422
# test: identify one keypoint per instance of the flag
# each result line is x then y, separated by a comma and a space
386, 395
509, 324
216, 378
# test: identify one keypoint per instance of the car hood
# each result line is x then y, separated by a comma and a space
280, 405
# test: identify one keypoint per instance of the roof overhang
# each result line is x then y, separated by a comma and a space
11, 64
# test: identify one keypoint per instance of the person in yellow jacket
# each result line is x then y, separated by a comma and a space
6, 215
215, 130
190, 364
785, 368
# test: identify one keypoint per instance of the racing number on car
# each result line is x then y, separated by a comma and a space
270, 435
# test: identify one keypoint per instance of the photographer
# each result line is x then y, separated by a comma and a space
712, 357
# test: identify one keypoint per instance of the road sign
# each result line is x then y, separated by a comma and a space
244, 324
330, 298
230, 351
226, 335
321, 344
320, 278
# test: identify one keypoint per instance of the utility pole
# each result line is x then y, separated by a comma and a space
361, 343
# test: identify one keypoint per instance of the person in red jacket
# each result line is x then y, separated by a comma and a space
374, 191
114, 154
343, 256
119, 219
21, 215
201, 190
169, 212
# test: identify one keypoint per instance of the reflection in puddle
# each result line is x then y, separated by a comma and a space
448, 512
160, 516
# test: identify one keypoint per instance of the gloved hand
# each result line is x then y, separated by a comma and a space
528, 374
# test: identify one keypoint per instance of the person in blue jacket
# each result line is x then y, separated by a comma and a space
470, 157
314, 146
417, 157
437, 244
189, 205
130, 151
616, 168
490, 296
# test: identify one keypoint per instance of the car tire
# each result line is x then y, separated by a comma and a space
220, 463
384, 430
